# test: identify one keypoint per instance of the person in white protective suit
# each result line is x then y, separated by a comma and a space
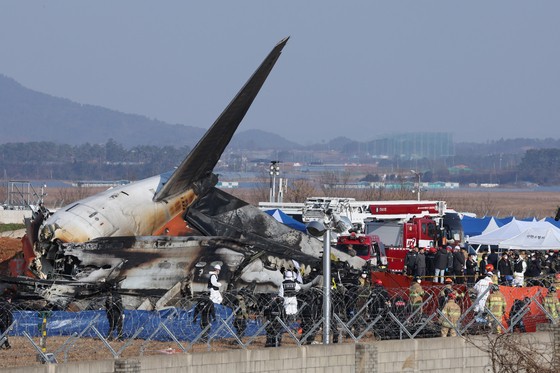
482, 292
519, 269
288, 291
214, 285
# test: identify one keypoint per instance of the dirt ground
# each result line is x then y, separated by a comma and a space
23, 353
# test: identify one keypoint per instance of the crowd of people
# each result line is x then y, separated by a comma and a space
512, 268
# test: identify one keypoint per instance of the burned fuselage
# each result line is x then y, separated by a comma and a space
145, 267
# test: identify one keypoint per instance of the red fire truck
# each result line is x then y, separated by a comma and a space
391, 228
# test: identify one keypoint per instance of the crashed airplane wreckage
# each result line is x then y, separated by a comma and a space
166, 232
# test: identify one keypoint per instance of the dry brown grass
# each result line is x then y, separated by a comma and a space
483, 203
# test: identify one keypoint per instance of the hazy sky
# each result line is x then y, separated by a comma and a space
479, 69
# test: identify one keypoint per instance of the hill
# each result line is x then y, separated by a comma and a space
30, 116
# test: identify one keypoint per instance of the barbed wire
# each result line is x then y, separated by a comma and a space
247, 320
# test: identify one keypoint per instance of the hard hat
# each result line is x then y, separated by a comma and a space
489, 267
448, 280
378, 282
218, 267
433, 249
449, 248
288, 275
509, 278
457, 247
489, 273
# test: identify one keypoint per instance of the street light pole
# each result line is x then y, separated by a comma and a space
274, 171
336, 223
418, 175
326, 286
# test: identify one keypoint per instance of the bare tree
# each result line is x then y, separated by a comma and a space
299, 190
514, 353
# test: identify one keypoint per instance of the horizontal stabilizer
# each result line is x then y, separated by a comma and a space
203, 158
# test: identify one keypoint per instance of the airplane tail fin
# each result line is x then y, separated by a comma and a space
203, 158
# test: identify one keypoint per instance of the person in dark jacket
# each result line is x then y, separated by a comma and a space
533, 270
449, 260
410, 261
272, 312
505, 268
493, 258
440, 265
380, 301
458, 265
518, 309
115, 314
482, 267
431, 263
471, 270
6, 317
420, 270
205, 308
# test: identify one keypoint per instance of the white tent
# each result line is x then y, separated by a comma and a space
509, 230
534, 239
492, 226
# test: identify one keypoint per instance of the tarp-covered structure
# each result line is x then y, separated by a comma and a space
518, 234
477, 226
285, 219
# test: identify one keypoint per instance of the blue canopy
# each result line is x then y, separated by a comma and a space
474, 226
280, 216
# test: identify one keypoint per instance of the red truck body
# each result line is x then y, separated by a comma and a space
393, 227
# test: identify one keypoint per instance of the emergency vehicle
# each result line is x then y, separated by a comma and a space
391, 228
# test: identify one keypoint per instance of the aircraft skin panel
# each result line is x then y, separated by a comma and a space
203, 158
150, 266
127, 210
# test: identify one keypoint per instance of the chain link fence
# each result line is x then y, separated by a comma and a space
248, 321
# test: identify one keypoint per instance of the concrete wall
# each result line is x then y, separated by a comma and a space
435, 355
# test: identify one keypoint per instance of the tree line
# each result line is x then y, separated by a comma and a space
113, 161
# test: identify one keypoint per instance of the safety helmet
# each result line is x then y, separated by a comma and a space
489, 274
448, 280
509, 278
489, 267
288, 275
217, 267
378, 282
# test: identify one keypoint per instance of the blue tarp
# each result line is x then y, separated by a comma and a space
280, 216
553, 222
474, 226
178, 321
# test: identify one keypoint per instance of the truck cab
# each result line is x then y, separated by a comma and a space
367, 247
